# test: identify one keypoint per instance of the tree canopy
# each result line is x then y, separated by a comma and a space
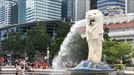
13, 42
114, 51
37, 37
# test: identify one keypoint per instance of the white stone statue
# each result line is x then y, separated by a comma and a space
94, 32
93, 23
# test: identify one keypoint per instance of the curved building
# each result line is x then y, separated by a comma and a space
111, 7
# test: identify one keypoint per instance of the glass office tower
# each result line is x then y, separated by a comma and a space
5, 12
80, 7
8, 12
67, 9
43, 10
21, 11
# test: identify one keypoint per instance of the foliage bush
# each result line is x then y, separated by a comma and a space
119, 66
115, 50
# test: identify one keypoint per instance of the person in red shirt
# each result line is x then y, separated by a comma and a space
44, 65
1, 60
36, 65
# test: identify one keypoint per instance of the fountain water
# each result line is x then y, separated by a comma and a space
69, 45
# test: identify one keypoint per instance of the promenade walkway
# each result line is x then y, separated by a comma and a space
10, 70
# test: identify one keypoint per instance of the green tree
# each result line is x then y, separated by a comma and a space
37, 38
13, 42
55, 45
124, 48
114, 51
63, 29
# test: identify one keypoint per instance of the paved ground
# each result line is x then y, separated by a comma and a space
129, 70
10, 70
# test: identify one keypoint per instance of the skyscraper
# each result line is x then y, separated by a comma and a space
21, 11
93, 4
67, 9
14, 12
6, 14
79, 9
111, 7
43, 10
129, 6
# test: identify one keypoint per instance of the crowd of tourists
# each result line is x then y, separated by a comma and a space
23, 66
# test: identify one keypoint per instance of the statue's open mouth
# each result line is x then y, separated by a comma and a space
92, 21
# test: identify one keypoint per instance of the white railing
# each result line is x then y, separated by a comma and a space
122, 33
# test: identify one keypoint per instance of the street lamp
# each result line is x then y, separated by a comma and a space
25, 55
45, 58
48, 53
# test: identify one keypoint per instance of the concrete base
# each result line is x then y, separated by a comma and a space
93, 73
11, 71
62, 72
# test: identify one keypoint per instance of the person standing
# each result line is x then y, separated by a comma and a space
18, 69
22, 72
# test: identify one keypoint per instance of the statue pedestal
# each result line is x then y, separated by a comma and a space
89, 65
93, 72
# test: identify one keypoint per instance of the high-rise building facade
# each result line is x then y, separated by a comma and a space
8, 9
43, 10
93, 4
129, 6
80, 7
76, 9
8, 15
5, 12
67, 9
21, 11
111, 7
14, 12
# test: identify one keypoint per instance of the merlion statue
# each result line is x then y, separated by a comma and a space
94, 32
92, 25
